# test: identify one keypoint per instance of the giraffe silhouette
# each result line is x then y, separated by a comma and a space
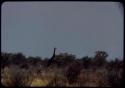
50, 61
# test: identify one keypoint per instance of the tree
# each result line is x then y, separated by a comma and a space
100, 58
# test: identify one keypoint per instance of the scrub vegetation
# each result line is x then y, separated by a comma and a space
65, 71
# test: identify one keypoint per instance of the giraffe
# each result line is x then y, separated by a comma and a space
51, 59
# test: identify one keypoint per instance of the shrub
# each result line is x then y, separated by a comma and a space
73, 71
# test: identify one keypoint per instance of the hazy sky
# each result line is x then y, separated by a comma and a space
79, 28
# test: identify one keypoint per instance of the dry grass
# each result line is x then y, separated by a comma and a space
14, 76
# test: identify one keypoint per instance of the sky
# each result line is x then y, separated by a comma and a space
78, 28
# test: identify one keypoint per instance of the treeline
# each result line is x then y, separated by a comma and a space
62, 60
70, 65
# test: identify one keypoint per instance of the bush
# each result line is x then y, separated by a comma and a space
86, 62
73, 71
115, 78
100, 58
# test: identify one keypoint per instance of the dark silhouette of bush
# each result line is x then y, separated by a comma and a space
115, 72
86, 61
4, 60
115, 78
34, 60
19, 58
24, 66
72, 71
64, 59
10, 58
100, 58
115, 64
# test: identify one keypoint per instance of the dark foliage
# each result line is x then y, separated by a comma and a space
70, 66
72, 72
